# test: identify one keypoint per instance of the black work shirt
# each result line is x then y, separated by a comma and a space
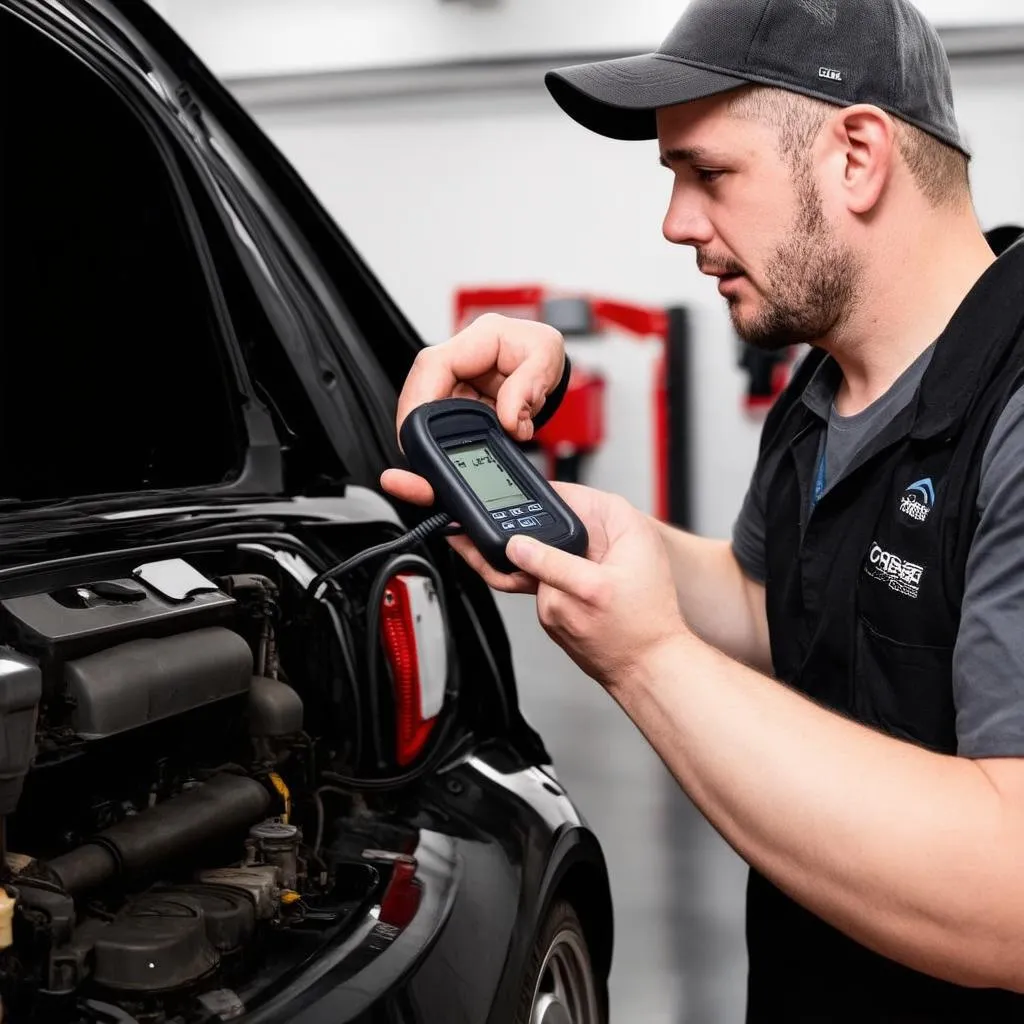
866, 596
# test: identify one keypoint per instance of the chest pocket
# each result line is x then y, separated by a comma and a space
906, 627
905, 689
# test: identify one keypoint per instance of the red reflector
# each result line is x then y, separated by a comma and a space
410, 621
402, 896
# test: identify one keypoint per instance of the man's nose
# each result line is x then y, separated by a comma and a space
685, 221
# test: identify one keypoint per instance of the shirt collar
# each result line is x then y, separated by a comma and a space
821, 389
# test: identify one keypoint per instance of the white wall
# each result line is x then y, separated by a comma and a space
501, 187
262, 37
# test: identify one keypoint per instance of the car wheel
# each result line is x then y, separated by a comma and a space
560, 987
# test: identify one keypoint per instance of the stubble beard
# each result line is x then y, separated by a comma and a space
812, 282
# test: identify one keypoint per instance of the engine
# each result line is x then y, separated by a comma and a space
150, 847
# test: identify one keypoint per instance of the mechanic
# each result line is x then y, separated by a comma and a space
840, 688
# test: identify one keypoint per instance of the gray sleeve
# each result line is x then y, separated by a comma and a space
988, 662
748, 533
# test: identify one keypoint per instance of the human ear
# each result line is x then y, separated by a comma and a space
863, 141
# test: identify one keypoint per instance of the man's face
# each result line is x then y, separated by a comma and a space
757, 223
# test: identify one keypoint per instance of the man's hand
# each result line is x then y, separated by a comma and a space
512, 365
614, 607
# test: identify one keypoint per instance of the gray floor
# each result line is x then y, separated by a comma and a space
678, 889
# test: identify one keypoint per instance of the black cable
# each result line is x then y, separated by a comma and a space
431, 525
446, 715
408, 540
440, 521
437, 756
346, 645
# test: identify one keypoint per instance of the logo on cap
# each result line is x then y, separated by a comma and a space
831, 74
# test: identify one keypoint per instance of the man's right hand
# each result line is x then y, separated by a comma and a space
512, 365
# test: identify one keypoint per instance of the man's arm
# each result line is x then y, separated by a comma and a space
721, 603
911, 853
914, 854
720, 585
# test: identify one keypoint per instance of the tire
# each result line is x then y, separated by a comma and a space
559, 986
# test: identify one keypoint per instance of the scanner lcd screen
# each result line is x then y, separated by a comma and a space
489, 480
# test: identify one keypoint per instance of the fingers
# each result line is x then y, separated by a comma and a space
514, 363
437, 370
513, 583
558, 569
522, 395
406, 486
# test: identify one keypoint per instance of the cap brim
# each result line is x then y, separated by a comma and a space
618, 98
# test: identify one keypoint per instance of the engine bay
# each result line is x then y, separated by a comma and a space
164, 844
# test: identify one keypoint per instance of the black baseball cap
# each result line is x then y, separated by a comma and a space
881, 52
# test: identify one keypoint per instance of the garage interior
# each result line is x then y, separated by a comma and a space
424, 128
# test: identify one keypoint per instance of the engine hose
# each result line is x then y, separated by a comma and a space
213, 811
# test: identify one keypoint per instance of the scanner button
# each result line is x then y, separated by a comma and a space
515, 512
534, 508
510, 525
499, 515
529, 522
544, 519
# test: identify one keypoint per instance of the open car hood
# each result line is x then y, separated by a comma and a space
314, 349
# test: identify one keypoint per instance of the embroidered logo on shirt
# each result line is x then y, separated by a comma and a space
831, 74
901, 576
918, 500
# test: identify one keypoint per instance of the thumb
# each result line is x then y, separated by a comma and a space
568, 573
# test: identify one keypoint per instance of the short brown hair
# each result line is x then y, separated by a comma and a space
941, 172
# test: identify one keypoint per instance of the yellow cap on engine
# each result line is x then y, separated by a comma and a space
6, 919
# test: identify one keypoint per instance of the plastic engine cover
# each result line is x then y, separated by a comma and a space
143, 681
229, 915
79, 620
157, 944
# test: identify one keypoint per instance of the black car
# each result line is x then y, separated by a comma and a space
232, 785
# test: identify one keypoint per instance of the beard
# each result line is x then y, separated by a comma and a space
812, 281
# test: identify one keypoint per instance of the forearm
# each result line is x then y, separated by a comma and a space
912, 854
717, 600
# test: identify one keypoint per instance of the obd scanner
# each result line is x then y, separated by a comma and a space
484, 482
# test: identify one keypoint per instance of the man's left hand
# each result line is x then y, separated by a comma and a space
617, 605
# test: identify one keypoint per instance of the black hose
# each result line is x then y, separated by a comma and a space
209, 813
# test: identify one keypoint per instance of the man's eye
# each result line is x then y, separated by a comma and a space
708, 176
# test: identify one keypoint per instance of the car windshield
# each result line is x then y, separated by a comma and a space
112, 377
